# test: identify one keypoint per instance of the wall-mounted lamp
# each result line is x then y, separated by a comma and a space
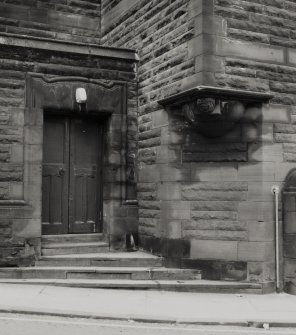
81, 96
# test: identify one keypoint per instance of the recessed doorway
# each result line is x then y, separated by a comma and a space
71, 175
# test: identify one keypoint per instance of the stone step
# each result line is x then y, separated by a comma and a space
113, 259
140, 273
51, 249
72, 238
204, 286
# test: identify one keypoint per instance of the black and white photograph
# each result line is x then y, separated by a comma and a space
147, 167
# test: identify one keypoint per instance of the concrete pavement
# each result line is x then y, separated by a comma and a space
150, 306
20, 324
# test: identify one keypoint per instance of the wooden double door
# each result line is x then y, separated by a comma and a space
71, 176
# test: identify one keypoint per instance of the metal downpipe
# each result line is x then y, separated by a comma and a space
276, 190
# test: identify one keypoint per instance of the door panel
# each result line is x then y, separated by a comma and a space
71, 176
55, 177
84, 188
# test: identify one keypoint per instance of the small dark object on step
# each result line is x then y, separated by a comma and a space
130, 243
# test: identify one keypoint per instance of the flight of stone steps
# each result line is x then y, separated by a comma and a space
85, 261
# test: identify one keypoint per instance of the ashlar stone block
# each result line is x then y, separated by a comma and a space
208, 249
265, 152
276, 113
256, 172
169, 191
26, 228
175, 210
255, 251
17, 153
149, 173
168, 154
174, 172
211, 172
253, 51
261, 231
258, 211
174, 229
219, 235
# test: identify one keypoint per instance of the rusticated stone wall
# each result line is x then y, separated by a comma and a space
268, 26
206, 202
160, 31
203, 202
67, 20
215, 195
108, 5
264, 32
21, 128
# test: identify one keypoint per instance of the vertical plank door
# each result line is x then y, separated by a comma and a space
71, 177
85, 172
55, 176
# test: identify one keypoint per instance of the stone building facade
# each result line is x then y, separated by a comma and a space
48, 50
196, 102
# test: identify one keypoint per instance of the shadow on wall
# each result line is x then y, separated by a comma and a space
199, 190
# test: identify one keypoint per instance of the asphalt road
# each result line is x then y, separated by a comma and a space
12, 324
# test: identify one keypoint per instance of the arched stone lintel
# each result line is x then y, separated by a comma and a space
58, 93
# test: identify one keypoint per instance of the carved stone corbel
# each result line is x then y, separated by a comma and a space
213, 111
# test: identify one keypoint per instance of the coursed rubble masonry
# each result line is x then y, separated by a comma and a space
213, 193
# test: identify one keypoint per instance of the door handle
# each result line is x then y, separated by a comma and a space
61, 172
